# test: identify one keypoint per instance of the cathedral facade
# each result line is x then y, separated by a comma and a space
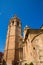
19, 49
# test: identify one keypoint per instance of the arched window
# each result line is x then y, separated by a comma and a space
12, 22
17, 23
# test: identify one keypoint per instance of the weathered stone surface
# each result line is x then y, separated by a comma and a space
18, 50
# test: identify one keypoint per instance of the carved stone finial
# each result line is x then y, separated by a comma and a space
42, 26
26, 27
15, 16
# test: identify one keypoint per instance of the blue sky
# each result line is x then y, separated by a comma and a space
30, 13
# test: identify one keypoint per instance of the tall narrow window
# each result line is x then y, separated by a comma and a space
17, 23
12, 22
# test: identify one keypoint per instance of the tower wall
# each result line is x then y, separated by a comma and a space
11, 52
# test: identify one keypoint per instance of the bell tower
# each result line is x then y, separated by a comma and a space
11, 53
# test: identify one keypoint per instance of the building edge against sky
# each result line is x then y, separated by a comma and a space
20, 50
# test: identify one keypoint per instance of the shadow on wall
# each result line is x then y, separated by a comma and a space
14, 63
4, 62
